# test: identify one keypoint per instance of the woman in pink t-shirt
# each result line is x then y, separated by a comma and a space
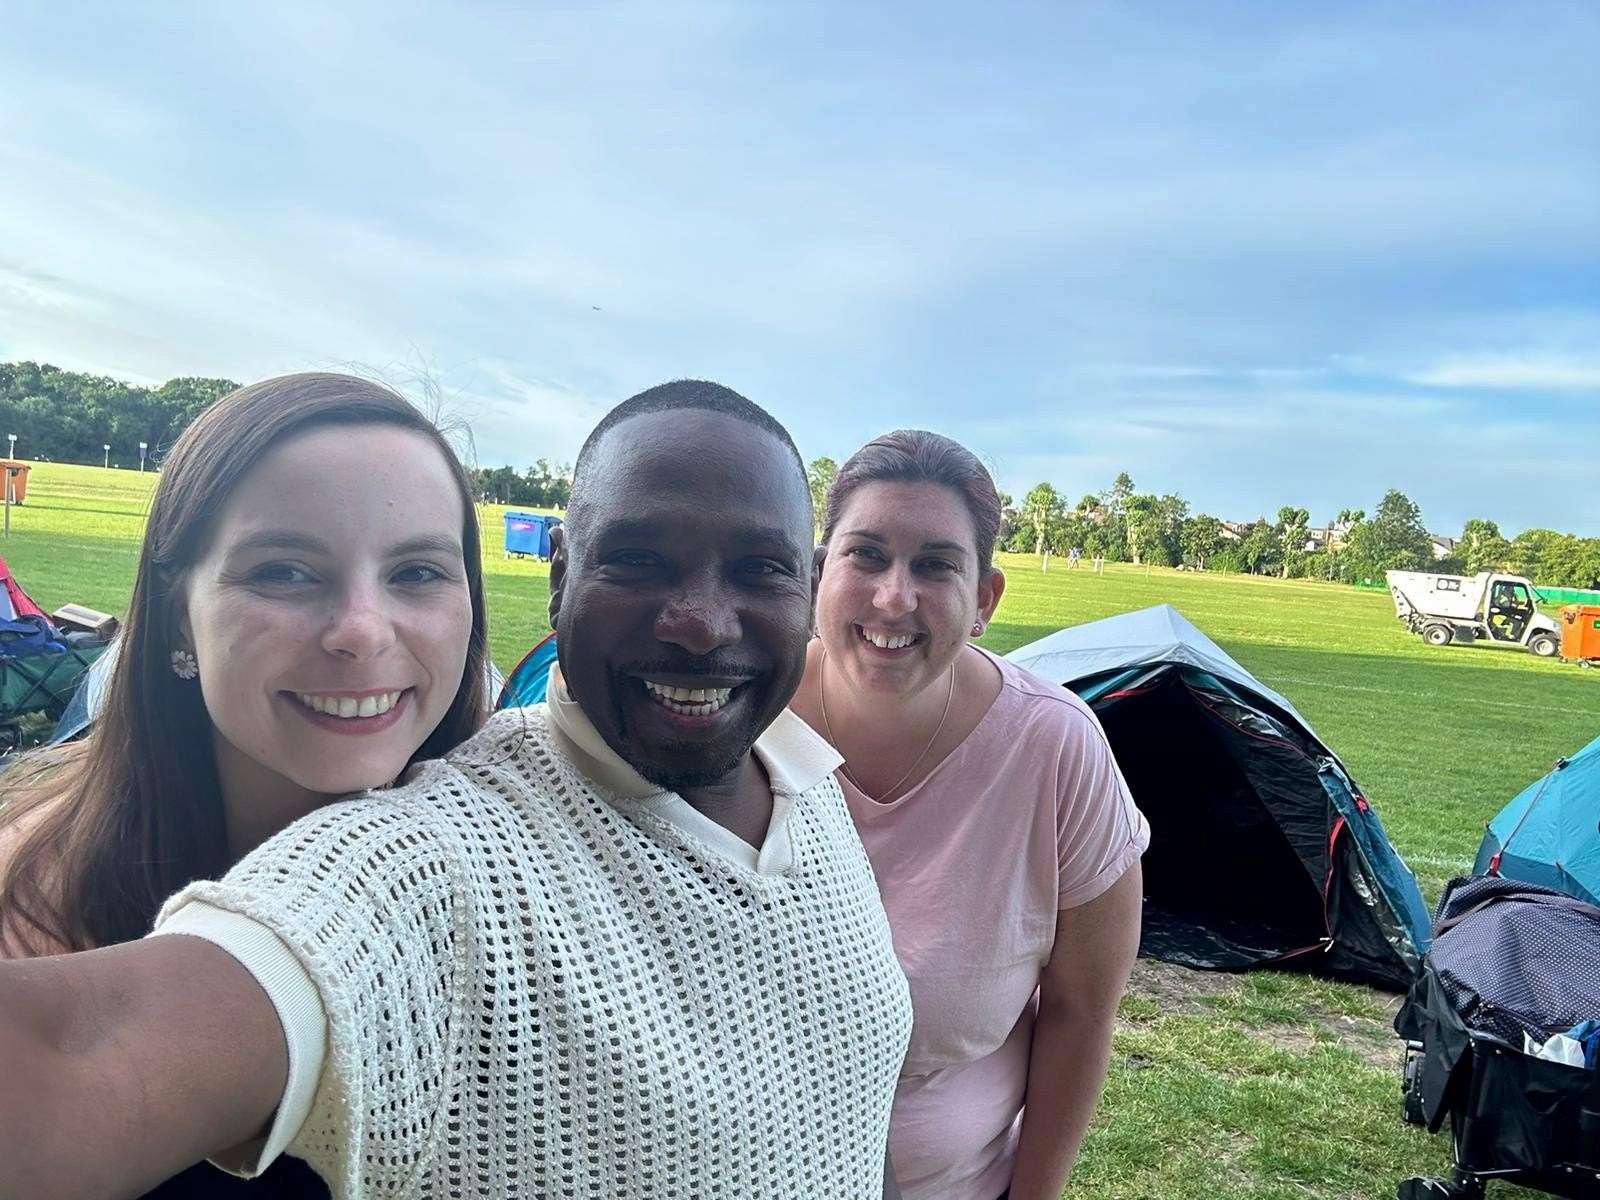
1004, 839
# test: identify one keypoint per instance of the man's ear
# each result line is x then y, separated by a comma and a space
818, 557
558, 571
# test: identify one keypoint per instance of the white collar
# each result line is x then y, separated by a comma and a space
794, 756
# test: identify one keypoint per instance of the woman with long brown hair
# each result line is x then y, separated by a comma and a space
307, 621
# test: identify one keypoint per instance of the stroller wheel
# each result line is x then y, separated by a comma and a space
1411, 1111
1431, 1187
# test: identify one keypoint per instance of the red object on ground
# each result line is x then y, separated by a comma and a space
20, 603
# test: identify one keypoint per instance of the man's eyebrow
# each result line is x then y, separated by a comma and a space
868, 535
771, 535
628, 527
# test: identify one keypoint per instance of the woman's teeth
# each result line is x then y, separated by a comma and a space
884, 641
350, 706
689, 702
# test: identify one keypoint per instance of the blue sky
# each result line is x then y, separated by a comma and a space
1254, 253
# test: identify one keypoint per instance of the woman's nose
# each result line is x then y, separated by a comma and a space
361, 627
896, 593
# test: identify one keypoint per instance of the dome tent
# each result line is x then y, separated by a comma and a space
1550, 834
1263, 850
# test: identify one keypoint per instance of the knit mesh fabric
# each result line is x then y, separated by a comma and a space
537, 990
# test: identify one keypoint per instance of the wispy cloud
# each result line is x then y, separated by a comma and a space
1255, 253
1529, 373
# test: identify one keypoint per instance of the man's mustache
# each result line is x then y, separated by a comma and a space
710, 665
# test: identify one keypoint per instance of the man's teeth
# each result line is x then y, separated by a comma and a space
885, 642
350, 706
694, 702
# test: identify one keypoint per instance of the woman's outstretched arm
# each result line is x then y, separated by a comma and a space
122, 1066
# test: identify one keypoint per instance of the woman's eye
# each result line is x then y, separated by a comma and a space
419, 573
865, 554
280, 575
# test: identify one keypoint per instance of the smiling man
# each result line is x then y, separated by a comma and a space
626, 944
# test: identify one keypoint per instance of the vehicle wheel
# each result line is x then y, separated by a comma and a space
1543, 645
1437, 635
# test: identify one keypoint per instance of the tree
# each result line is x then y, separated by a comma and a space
1481, 547
1201, 539
1041, 512
1395, 539
1261, 549
1114, 518
1292, 529
819, 478
1154, 528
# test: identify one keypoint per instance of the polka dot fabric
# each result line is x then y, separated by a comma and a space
534, 989
1518, 958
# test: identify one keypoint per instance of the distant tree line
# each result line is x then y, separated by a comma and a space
69, 416
65, 416
539, 486
1122, 524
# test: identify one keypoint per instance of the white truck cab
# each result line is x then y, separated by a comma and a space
1487, 606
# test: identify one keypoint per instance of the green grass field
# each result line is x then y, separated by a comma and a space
1255, 1087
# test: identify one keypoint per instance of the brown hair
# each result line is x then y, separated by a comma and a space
132, 814
917, 456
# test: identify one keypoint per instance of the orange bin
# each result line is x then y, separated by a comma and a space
15, 473
1580, 632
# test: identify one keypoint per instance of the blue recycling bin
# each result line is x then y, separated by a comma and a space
529, 533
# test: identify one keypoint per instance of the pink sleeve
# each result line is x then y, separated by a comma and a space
1100, 833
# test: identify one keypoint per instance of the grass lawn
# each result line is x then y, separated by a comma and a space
1249, 1087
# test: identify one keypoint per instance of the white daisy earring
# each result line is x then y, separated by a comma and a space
977, 629
184, 664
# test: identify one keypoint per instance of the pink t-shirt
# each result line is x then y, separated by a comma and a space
1026, 817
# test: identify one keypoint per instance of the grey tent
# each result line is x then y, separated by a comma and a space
1263, 850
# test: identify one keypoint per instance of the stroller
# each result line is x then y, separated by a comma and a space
1511, 964
39, 666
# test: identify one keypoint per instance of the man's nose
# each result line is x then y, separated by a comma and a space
361, 626
700, 618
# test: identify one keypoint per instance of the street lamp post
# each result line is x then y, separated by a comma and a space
143, 446
106, 446
6, 486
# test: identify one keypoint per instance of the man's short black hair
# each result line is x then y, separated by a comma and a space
681, 394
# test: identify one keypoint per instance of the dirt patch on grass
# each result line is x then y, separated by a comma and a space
1177, 991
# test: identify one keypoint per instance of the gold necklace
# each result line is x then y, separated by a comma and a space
822, 698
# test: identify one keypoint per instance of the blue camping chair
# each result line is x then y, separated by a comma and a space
39, 672
526, 683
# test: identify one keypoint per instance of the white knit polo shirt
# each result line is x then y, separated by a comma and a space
543, 976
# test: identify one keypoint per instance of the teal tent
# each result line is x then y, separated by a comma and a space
1550, 834
1263, 849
